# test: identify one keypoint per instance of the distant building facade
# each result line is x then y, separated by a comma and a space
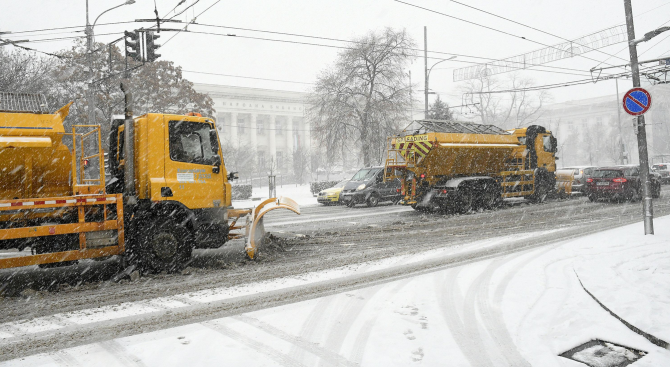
590, 131
270, 123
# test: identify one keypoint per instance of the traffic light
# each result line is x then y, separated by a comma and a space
152, 46
133, 45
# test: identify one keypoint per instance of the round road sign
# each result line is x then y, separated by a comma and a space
636, 101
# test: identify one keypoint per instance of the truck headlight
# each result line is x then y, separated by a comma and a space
360, 187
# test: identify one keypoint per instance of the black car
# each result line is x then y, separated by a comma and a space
368, 186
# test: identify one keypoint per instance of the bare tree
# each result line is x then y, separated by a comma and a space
364, 97
516, 108
27, 72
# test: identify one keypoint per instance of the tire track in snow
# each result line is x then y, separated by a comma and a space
265, 349
313, 325
63, 358
490, 312
471, 325
361, 341
121, 354
450, 297
325, 355
347, 316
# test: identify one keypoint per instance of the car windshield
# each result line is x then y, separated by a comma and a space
365, 174
607, 173
661, 166
340, 184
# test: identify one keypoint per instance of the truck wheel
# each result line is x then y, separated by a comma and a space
164, 246
493, 200
592, 197
373, 200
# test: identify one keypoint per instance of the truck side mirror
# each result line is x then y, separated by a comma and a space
233, 176
216, 162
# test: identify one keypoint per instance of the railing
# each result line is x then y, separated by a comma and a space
98, 224
396, 162
517, 183
88, 173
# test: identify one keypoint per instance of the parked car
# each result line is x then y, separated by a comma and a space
581, 173
619, 183
663, 169
368, 186
331, 195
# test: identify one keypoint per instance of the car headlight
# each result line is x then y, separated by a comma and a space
360, 187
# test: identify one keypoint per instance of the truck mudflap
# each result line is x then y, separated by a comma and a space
254, 229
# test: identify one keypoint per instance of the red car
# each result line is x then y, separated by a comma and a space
619, 183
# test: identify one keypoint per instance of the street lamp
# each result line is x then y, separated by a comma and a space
89, 61
426, 70
427, 77
647, 208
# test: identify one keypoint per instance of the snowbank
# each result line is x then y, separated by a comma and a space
299, 193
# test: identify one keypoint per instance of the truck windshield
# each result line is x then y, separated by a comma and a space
365, 174
607, 173
190, 142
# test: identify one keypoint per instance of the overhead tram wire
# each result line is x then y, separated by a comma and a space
69, 27
193, 20
626, 47
533, 28
350, 48
323, 45
490, 28
557, 85
586, 72
246, 77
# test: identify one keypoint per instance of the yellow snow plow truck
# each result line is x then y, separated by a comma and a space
458, 166
165, 193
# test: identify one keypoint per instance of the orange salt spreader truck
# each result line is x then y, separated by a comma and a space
168, 192
461, 166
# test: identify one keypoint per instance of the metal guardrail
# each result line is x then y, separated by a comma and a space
23, 102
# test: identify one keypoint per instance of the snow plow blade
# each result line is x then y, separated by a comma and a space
255, 231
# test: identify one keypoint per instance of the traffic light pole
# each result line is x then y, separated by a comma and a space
647, 207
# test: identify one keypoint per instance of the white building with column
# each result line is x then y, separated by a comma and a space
270, 123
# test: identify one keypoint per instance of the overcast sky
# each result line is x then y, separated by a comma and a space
347, 19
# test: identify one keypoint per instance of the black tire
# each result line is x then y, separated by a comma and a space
373, 200
467, 202
162, 245
656, 191
544, 183
592, 197
351, 203
492, 199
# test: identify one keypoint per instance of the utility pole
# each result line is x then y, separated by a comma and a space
647, 207
89, 85
425, 69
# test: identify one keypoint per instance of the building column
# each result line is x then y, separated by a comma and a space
289, 136
234, 135
272, 135
253, 132
308, 135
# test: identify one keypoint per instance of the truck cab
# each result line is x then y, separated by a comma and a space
178, 170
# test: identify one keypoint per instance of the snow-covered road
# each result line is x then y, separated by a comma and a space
519, 309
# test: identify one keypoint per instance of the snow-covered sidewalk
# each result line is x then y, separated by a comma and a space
300, 193
521, 309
